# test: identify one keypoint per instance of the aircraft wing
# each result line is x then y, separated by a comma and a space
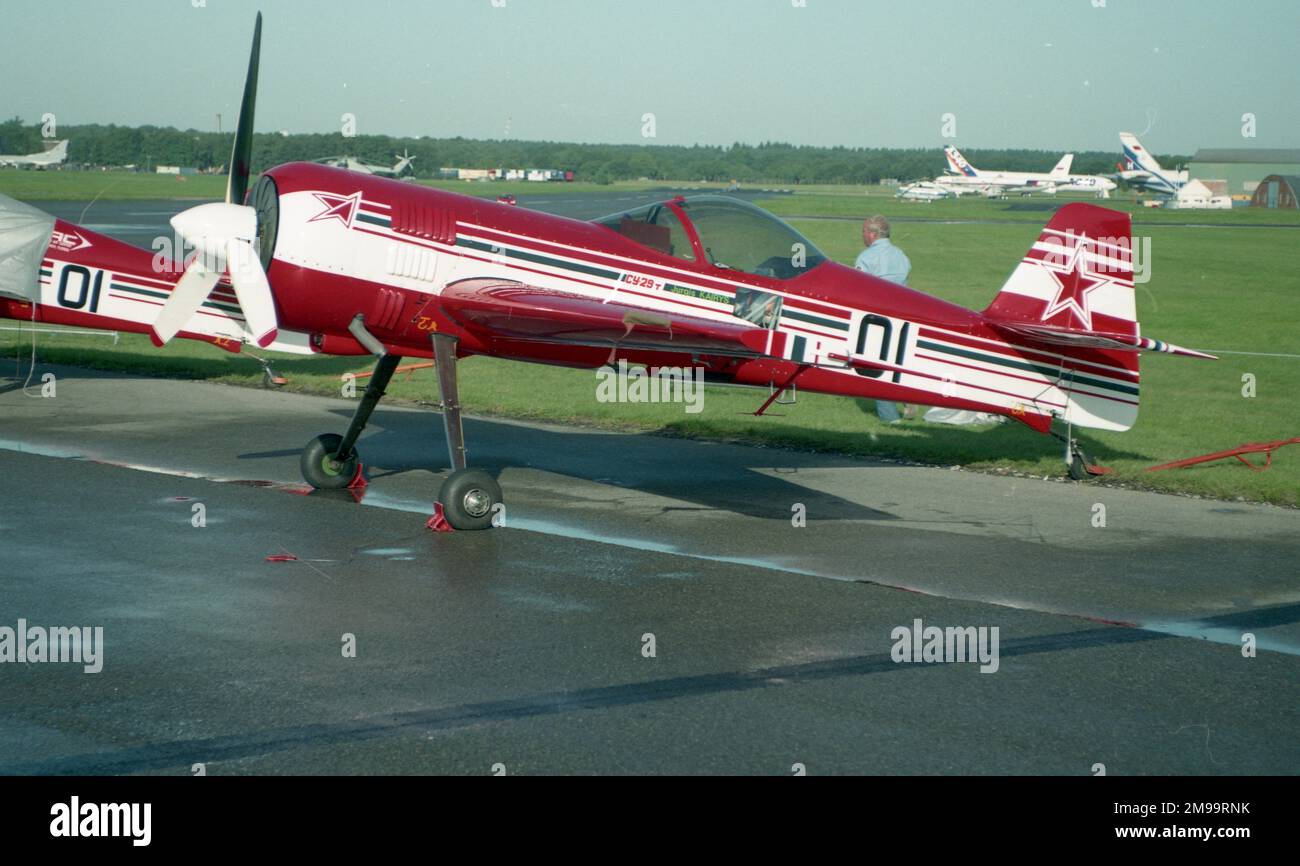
501, 309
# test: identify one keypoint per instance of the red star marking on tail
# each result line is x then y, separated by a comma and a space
339, 207
1075, 282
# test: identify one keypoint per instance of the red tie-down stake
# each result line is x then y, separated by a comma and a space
1266, 448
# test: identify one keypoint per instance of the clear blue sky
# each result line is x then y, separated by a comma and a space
1050, 74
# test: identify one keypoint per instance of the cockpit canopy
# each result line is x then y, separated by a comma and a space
733, 234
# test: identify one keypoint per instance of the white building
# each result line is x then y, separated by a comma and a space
1197, 194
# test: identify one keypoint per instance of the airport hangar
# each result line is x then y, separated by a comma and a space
1243, 167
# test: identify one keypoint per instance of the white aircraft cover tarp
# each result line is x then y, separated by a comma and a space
24, 236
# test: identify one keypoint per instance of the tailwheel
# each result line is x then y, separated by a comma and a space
1083, 467
469, 498
321, 467
1079, 465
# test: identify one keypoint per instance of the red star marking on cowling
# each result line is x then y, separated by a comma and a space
339, 207
1075, 282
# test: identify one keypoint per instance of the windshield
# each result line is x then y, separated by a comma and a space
738, 235
654, 226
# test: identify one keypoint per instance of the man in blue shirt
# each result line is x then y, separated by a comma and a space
882, 259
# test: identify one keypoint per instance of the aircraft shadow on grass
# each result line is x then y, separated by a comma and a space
1009, 440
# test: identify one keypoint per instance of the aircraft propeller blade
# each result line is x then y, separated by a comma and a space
191, 290
253, 290
242, 154
227, 233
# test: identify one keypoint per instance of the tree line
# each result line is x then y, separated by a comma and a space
770, 162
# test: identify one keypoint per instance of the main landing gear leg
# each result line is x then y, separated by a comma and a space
330, 461
469, 497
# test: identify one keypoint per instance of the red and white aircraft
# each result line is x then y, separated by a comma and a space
329, 261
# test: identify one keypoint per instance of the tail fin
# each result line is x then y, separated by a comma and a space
957, 163
52, 155
1062, 169
1136, 154
1077, 276
1073, 292
1075, 283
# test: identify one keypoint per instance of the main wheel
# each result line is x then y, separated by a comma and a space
469, 498
320, 467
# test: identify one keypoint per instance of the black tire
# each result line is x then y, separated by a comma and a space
469, 498
319, 467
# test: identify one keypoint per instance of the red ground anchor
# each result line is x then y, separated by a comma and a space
438, 523
1266, 448
357, 486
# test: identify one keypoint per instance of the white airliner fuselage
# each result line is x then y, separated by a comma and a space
54, 156
963, 176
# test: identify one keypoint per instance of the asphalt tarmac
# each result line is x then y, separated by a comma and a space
525, 649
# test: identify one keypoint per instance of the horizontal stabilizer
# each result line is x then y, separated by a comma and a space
1097, 340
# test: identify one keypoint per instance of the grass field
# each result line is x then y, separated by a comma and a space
1212, 288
